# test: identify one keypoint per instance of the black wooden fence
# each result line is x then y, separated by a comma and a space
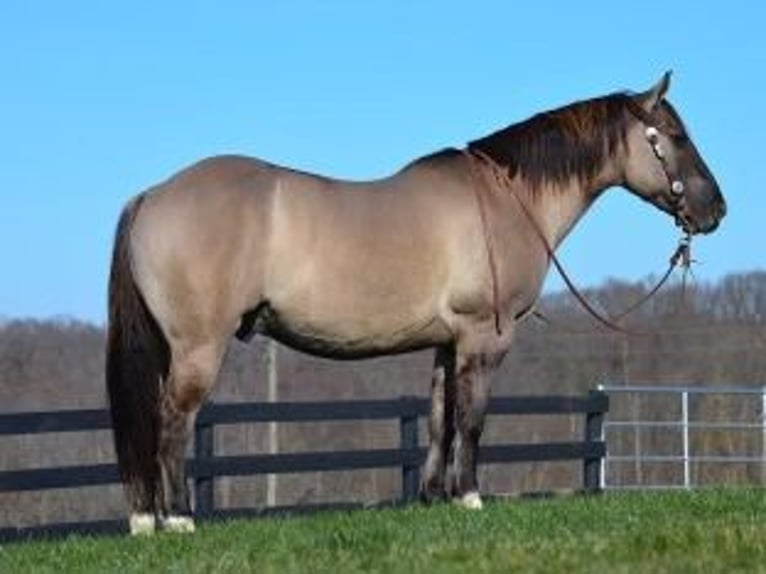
206, 465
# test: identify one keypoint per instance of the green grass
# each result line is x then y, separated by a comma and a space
709, 531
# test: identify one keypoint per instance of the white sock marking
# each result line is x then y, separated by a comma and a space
141, 523
178, 523
470, 500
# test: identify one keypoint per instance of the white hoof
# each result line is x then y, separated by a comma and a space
470, 500
178, 524
141, 524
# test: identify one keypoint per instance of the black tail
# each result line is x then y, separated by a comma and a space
137, 359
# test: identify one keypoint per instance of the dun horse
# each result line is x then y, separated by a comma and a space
443, 254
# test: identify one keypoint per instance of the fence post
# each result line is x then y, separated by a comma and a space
204, 500
594, 434
408, 443
763, 435
273, 378
685, 437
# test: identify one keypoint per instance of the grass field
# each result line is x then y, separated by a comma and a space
710, 531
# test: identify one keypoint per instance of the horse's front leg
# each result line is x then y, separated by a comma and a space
475, 367
441, 425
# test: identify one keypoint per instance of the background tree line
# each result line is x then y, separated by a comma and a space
694, 334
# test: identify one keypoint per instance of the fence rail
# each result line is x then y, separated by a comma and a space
206, 465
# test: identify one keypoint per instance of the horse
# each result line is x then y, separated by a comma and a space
442, 254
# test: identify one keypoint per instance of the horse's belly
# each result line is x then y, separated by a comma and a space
339, 331
348, 300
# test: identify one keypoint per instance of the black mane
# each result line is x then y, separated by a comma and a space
558, 145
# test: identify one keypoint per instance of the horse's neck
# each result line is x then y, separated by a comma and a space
556, 213
554, 207
557, 208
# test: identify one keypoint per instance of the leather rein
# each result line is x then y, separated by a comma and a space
681, 256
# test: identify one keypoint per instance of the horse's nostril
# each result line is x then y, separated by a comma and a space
720, 210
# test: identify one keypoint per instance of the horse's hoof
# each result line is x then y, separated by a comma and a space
180, 524
470, 500
141, 524
432, 495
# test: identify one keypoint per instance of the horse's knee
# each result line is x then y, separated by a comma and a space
471, 407
192, 377
188, 394
474, 378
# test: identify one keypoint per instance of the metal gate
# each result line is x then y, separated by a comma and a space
664, 437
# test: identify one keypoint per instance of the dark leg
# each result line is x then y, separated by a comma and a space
141, 498
474, 374
176, 427
192, 376
441, 425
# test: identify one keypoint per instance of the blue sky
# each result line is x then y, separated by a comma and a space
99, 100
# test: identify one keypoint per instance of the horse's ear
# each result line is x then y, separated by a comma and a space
650, 99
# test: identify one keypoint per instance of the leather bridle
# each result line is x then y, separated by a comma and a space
681, 256
652, 131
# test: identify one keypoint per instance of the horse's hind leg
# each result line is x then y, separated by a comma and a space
193, 371
441, 425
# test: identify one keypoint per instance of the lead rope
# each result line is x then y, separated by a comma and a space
681, 255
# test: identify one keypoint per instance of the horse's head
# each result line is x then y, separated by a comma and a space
665, 168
